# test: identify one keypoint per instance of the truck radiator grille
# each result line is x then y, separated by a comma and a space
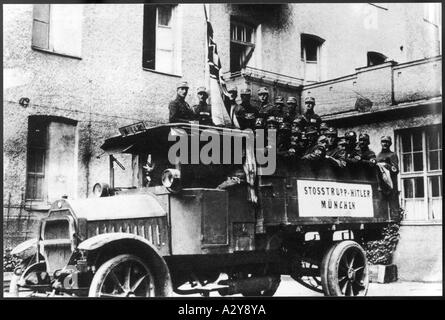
153, 229
57, 243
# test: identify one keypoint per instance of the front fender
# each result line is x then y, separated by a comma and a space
147, 251
100, 240
25, 249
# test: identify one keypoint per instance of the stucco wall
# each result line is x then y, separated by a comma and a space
418, 255
105, 89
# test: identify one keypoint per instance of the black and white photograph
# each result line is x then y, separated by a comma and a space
222, 150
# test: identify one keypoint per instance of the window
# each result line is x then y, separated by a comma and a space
375, 58
421, 172
57, 28
241, 45
311, 56
160, 45
51, 163
37, 137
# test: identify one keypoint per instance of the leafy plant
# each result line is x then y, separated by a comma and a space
10, 262
381, 251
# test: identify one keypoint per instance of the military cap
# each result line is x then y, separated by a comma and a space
182, 84
291, 100
324, 126
202, 89
309, 99
386, 138
351, 134
364, 136
342, 141
331, 131
271, 119
263, 90
232, 88
321, 138
311, 130
284, 126
279, 99
246, 91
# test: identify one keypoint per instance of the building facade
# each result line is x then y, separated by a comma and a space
74, 74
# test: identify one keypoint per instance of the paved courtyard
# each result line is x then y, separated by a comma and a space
290, 288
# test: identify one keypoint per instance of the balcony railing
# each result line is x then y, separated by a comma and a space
378, 88
268, 77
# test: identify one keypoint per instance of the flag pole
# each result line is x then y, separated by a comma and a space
206, 51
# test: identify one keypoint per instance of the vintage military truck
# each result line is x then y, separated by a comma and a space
175, 230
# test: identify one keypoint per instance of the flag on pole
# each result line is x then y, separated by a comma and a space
218, 89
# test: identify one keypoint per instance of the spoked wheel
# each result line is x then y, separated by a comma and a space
308, 275
344, 270
123, 276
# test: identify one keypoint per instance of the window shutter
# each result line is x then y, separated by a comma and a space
149, 37
40, 27
66, 29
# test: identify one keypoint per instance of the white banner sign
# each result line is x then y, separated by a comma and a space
334, 199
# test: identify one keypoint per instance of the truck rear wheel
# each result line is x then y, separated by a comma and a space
344, 270
125, 275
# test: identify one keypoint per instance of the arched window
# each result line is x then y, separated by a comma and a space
311, 56
375, 58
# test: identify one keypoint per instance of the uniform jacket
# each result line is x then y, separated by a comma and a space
247, 116
312, 119
180, 111
390, 158
203, 113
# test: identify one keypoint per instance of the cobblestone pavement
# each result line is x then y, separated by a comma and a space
290, 288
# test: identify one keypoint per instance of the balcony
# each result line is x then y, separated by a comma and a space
277, 84
386, 88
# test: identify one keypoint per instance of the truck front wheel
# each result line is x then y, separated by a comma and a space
344, 270
125, 275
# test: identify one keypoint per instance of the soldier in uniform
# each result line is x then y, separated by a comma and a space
296, 145
312, 119
351, 155
338, 155
179, 109
234, 108
266, 109
331, 136
248, 113
292, 107
323, 128
271, 123
391, 162
281, 112
312, 136
318, 152
283, 139
367, 155
202, 109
